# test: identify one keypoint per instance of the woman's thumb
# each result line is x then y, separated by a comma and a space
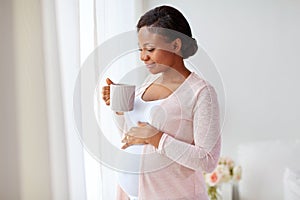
109, 82
141, 124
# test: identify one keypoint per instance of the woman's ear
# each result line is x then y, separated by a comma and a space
177, 44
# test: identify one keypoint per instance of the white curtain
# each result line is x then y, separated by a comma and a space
62, 63
101, 20
72, 31
43, 44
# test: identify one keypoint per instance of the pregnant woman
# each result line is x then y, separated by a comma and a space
175, 118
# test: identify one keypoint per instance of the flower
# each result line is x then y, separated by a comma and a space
237, 173
213, 178
225, 171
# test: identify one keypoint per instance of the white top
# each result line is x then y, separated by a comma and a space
141, 112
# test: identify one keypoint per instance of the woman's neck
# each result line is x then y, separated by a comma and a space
176, 73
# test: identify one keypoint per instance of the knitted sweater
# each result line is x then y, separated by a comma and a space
191, 143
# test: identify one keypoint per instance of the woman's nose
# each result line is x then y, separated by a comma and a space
144, 56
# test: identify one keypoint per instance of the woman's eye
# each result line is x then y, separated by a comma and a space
150, 50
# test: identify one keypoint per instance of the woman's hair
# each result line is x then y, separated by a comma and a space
166, 18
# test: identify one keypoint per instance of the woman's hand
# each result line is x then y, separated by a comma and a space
144, 133
106, 92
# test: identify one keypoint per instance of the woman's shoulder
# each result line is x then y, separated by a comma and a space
197, 83
203, 91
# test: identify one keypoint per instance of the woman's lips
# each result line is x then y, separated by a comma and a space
150, 66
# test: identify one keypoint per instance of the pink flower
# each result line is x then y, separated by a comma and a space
213, 178
225, 171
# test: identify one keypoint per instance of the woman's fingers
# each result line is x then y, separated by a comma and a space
106, 92
142, 124
130, 140
109, 82
106, 95
126, 139
132, 130
125, 146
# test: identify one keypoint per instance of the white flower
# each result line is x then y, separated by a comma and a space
222, 160
237, 173
224, 171
229, 162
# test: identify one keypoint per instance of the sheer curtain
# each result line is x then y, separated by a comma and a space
101, 20
62, 63
83, 25
43, 46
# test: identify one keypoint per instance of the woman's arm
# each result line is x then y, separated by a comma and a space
205, 151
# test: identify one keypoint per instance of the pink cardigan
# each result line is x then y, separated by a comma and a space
191, 143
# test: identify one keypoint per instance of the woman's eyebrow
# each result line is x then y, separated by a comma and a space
146, 44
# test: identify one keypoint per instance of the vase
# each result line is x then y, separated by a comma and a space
227, 190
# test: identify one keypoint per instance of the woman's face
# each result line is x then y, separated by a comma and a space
156, 52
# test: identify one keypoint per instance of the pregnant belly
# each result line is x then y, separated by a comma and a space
129, 182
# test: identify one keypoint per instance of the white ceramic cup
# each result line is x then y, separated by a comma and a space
122, 97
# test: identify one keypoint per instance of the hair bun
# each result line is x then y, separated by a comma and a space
189, 48
170, 22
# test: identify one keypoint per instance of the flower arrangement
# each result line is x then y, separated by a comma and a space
225, 171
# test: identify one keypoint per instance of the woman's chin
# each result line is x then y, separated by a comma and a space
153, 71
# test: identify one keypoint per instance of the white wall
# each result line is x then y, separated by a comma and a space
255, 45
